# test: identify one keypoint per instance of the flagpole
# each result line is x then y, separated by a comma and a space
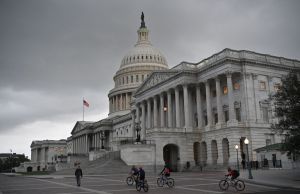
82, 109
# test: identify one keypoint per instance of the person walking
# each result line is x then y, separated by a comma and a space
78, 175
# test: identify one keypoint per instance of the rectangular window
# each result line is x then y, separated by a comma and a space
142, 77
226, 115
268, 142
127, 79
216, 118
236, 86
265, 114
262, 85
137, 78
225, 90
132, 79
238, 114
276, 87
205, 120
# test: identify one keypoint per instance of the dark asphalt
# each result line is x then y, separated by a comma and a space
200, 183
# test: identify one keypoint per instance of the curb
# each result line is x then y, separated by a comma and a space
268, 184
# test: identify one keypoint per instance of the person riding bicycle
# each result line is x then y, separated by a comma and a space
134, 171
166, 172
141, 174
233, 173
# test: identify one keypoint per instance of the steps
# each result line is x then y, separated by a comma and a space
110, 163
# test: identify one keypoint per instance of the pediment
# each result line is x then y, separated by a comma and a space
154, 79
80, 125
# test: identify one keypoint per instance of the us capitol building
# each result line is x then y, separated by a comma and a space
192, 114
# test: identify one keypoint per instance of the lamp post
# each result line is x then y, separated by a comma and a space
246, 141
237, 156
138, 129
11, 160
102, 136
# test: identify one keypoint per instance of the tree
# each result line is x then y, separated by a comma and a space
287, 110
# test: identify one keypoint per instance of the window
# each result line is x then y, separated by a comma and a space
225, 90
236, 86
142, 77
214, 93
216, 118
127, 80
226, 115
205, 120
123, 80
265, 114
277, 87
268, 142
238, 114
137, 78
132, 79
262, 85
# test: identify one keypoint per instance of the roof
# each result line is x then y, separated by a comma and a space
272, 147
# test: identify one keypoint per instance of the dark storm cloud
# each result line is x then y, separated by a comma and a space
53, 52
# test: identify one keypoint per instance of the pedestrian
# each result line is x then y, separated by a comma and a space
78, 175
243, 163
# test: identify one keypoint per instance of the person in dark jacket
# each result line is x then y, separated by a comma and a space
78, 175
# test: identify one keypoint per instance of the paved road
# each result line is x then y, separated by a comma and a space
192, 183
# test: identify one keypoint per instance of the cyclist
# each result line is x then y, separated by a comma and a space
166, 172
233, 173
134, 172
141, 174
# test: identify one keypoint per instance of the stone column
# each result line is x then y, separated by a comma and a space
121, 101
199, 106
143, 132
138, 120
208, 104
169, 108
133, 125
219, 103
149, 113
232, 118
126, 101
87, 143
162, 112
155, 113
177, 107
186, 107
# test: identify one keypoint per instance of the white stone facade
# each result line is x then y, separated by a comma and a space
192, 113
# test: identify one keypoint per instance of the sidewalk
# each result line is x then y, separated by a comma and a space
273, 177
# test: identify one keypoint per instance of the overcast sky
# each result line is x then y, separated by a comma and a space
55, 52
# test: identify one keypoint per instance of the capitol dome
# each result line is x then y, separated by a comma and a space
135, 67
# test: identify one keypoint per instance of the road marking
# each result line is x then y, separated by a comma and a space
203, 190
72, 186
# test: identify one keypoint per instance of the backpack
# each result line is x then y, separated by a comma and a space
236, 173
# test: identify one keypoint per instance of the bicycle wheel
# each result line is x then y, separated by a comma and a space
146, 187
170, 182
239, 185
223, 184
160, 182
129, 181
138, 186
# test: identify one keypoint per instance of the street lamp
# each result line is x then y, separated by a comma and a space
246, 141
102, 136
237, 156
138, 129
11, 161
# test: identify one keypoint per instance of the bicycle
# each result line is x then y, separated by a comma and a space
142, 184
131, 179
162, 180
239, 185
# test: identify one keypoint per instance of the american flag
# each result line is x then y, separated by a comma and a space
85, 103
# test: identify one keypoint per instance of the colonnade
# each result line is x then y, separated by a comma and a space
173, 107
120, 102
80, 144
